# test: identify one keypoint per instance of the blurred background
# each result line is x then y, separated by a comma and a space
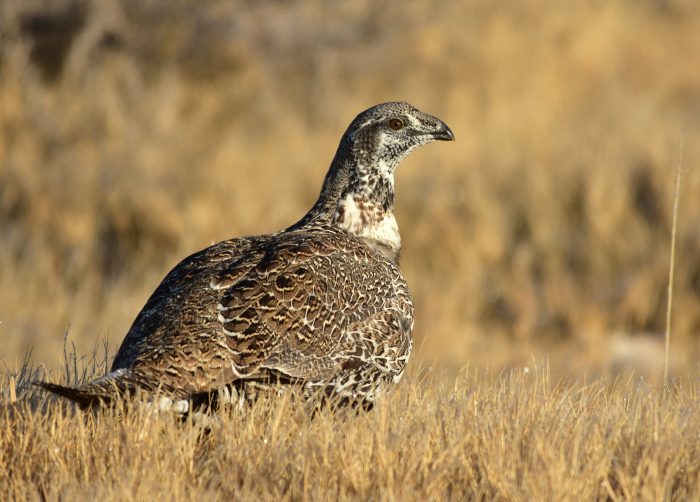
135, 132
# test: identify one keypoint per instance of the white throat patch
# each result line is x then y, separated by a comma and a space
366, 220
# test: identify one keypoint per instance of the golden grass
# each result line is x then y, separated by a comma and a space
672, 262
135, 132
512, 436
161, 127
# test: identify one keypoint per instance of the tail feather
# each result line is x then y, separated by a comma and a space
102, 390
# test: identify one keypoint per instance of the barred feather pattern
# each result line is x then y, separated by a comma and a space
313, 304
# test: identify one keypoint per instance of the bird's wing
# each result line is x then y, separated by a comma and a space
297, 306
308, 307
371, 351
174, 336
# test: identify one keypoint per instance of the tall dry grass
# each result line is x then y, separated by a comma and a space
134, 132
518, 435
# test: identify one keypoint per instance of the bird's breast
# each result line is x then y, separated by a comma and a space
371, 222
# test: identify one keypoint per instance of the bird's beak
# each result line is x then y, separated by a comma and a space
443, 133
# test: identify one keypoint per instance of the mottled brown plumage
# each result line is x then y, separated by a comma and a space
322, 303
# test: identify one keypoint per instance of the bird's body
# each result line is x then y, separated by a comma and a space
322, 303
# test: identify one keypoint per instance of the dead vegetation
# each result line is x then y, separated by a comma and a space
135, 132
513, 436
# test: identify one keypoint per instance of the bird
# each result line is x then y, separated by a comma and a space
321, 304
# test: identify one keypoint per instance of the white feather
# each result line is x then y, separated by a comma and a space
384, 232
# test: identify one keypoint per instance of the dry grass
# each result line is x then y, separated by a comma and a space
159, 127
514, 436
134, 132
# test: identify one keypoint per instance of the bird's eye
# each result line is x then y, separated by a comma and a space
396, 124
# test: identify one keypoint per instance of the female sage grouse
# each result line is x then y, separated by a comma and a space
322, 303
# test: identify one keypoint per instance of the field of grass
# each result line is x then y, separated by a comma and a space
514, 436
135, 132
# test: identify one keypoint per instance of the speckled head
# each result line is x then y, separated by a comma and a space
374, 144
390, 131
358, 192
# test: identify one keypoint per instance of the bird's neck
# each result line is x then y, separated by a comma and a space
359, 199
358, 196
371, 221
335, 184
366, 207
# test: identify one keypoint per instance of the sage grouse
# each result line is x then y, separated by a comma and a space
322, 303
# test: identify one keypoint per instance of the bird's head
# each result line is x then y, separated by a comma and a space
358, 192
385, 134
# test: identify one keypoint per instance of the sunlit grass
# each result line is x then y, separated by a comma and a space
146, 130
518, 435
546, 223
